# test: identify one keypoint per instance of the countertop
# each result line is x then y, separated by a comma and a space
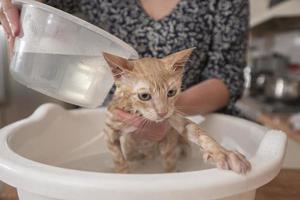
285, 186
259, 112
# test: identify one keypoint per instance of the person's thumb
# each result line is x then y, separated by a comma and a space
127, 117
11, 13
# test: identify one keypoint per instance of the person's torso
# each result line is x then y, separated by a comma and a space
188, 25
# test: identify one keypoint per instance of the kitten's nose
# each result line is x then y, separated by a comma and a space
162, 114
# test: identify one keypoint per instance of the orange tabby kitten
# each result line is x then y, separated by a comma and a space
149, 87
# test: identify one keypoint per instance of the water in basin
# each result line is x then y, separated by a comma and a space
103, 163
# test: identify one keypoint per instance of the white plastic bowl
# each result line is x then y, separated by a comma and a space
59, 154
60, 55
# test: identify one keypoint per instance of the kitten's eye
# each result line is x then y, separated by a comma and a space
144, 96
171, 93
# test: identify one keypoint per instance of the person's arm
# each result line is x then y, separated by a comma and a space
206, 97
223, 74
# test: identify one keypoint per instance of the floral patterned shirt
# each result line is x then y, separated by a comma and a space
217, 28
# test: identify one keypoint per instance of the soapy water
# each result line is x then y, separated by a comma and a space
70, 77
103, 163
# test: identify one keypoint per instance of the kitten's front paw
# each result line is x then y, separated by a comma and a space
229, 160
122, 168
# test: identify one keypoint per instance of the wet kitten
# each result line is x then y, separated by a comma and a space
149, 87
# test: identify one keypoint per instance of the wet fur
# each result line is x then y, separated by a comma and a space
157, 77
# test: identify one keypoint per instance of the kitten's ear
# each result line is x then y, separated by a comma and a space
177, 60
118, 65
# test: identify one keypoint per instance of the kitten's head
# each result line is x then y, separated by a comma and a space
151, 84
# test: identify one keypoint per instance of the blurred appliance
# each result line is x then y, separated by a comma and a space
274, 72
16, 101
265, 68
283, 89
272, 84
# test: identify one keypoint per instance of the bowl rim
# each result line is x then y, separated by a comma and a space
29, 175
78, 21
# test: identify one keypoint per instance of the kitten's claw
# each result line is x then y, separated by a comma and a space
229, 160
206, 157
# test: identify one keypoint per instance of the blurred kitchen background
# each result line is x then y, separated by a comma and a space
272, 95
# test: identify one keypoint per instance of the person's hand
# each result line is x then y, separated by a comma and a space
144, 128
9, 18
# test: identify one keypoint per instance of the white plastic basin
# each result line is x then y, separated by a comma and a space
60, 154
60, 55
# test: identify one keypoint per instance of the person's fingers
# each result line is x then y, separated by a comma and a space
10, 41
127, 117
11, 13
10, 38
121, 114
4, 23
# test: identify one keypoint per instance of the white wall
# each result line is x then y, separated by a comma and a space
258, 7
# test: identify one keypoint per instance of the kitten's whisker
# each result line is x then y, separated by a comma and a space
144, 123
147, 121
135, 120
131, 120
181, 112
186, 106
119, 74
